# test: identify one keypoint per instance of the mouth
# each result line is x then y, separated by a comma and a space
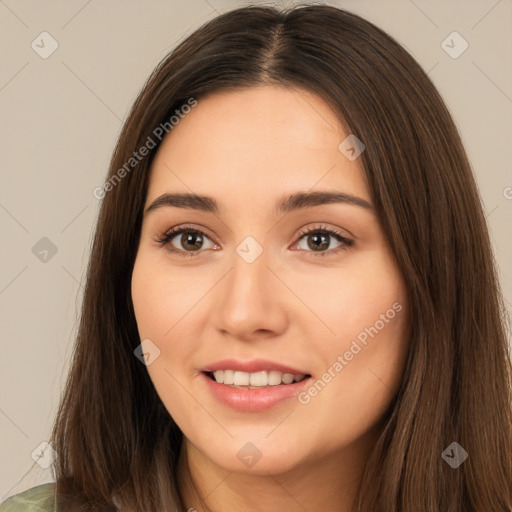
255, 380
254, 386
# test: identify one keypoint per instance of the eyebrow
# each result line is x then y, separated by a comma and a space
296, 201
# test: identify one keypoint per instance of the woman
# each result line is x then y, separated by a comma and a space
291, 301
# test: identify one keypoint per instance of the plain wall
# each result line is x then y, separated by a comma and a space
60, 118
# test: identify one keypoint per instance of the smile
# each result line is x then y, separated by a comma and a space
254, 380
253, 386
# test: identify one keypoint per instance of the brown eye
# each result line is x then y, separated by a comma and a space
190, 240
185, 241
319, 240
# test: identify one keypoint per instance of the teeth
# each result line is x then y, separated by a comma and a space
256, 379
287, 378
241, 379
274, 378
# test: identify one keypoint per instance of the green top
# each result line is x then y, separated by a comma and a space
36, 499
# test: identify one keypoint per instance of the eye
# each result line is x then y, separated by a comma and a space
318, 238
188, 244
192, 240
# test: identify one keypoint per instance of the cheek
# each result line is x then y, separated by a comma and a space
161, 299
352, 298
365, 307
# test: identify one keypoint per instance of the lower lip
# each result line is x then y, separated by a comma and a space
254, 400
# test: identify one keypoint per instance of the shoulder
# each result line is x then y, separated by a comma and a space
35, 499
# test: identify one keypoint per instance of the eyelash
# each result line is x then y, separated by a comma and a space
165, 239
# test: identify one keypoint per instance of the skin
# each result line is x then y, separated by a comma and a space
247, 150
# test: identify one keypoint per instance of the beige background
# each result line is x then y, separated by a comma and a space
60, 117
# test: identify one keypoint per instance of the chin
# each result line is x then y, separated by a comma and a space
270, 463
258, 457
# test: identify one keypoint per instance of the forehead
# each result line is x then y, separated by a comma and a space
256, 143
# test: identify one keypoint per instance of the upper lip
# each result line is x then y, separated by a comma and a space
252, 366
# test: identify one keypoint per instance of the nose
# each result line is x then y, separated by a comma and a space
251, 301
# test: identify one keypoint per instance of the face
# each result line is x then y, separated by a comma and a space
297, 305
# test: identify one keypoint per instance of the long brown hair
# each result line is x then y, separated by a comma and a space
112, 433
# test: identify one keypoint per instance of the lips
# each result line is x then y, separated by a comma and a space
253, 366
240, 384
